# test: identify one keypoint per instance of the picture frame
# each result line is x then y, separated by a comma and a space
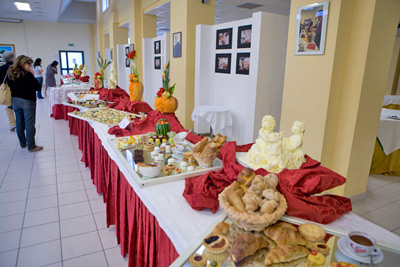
127, 63
244, 36
126, 51
223, 63
224, 39
157, 47
177, 44
157, 63
5, 48
311, 25
243, 63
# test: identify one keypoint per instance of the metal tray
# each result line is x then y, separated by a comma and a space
78, 116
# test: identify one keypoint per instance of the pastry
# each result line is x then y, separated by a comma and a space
208, 154
312, 232
197, 260
234, 196
221, 257
199, 146
245, 177
268, 206
221, 228
246, 245
177, 170
316, 258
283, 235
252, 201
258, 185
320, 247
253, 260
285, 253
300, 262
272, 180
219, 139
216, 244
214, 264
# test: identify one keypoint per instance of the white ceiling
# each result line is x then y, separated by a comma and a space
225, 11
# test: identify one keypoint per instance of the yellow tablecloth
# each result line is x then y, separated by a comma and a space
385, 164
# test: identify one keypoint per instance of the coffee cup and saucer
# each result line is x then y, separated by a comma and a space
360, 247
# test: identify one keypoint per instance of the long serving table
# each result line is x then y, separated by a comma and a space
59, 94
154, 224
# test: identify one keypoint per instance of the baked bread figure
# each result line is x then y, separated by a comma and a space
245, 177
205, 151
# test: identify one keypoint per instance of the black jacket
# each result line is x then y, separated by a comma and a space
24, 87
3, 71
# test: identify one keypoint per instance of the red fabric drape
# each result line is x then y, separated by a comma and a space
60, 112
113, 95
137, 229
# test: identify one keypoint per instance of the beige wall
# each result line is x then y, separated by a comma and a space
393, 65
45, 39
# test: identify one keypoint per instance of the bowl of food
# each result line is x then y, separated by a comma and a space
150, 170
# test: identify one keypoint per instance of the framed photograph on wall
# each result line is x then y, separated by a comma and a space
223, 63
5, 48
311, 29
127, 62
177, 44
243, 63
157, 47
126, 50
244, 37
157, 63
224, 39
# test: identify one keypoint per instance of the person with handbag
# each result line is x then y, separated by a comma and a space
23, 87
9, 58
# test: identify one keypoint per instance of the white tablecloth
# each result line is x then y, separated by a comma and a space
391, 99
219, 118
86, 97
59, 94
389, 131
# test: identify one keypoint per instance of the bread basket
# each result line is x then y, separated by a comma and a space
252, 221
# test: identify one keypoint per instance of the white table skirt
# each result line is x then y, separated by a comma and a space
219, 118
57, 95
389, 131
391, 99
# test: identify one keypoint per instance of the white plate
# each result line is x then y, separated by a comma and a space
342, 245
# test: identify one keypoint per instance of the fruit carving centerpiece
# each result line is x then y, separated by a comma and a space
99, 76
77, 71
165, 102
135, 87
162, 127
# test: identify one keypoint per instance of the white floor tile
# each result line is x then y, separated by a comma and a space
12, 177
45, 153
43, 165
375, 201
42, 203
101, 220
75, 210
114, 257
12, 186
79, 245
17, 168
41, 217
40, 234
42, 191
97, 259
383, 219
44, 159
89, 184
12, 208
78, 225
9, 258
9, 240
43, 181
98, 206
108, 237
64, 151
69, 177
93, 195
43, 173
394, 187
392, 209
12, 222
70, 186
68, 169
385, 194
67, 162
39, 255
72, 197
12, 196
65, 157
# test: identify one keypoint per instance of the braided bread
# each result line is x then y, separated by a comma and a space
245, 177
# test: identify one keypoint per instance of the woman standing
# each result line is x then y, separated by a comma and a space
23, 87
51, 71
37, 70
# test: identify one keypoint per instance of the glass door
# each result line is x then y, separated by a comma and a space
68, 59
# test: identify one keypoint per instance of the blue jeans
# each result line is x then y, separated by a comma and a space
39, 93
25, 114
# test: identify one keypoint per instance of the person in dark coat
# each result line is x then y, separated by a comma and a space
23, 87
9, 58
51, 71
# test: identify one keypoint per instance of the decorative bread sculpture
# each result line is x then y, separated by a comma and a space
205, 151
285, 253
283, 235
245, 177
246, 245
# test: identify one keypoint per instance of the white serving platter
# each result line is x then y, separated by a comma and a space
78, 116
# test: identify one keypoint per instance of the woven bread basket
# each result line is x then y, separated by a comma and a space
252, 221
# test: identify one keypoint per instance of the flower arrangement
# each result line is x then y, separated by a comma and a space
165, 102
99, 76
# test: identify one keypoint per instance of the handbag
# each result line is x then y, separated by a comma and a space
5, 93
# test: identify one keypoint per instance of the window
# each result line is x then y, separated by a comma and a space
104, 5
68, 59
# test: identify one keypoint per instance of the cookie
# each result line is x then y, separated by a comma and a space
312, 232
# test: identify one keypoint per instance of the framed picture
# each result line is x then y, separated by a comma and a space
244, 37
243, 63
311, 29
5, 48
223, 63
126, 50
127, 63
224, 39
157, 47
177, 44
157, 63
131, 47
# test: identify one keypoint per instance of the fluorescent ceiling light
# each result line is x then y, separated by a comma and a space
23, 6
10, 20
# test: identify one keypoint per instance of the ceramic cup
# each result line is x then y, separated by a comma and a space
362, 244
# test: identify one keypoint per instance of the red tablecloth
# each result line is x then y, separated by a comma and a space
60, 112
137, 229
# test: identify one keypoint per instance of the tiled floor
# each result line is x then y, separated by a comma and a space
51, 214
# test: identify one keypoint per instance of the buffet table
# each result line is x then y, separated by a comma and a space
386, 158
391, 102
57, 95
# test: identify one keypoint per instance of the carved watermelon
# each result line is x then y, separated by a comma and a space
162, 127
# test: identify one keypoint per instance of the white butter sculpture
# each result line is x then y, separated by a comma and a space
112, 82
84, 71
274, 152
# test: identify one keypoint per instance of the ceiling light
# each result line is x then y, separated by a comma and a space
23, 6
10, 20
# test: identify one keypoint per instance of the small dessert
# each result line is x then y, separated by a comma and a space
177, 170
149, 146
171, 167
197, 260
183, 165
312, 232
166, 171
138, 156
316, 258
342, 264
320, 247
216, 244
214, 264
190, 169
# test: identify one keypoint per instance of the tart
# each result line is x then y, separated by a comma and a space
216, 244
221, 257
214, 264
197, 260
149, 146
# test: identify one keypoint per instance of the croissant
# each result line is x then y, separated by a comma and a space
234, 196
270, 194
252, 201
258, 185
272, 180
245, 245
285, 253
283, 235
254, 259
221, 228
268, 206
